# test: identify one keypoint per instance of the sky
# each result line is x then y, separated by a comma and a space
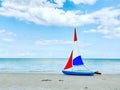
44, 28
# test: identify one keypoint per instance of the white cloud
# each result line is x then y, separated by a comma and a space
25, 54
47, 13
60, 2
7, 36
53, 42
61, 42
7, 39
15, 54
90, 2
43, 12
108, 22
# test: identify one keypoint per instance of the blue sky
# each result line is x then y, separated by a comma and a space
44, 28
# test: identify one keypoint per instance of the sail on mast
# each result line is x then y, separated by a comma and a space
75, 35
69, 63
77, 60
74, 59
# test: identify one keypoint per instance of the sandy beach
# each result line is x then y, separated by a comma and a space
40, 81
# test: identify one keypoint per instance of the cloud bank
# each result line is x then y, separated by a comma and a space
50, 12
44, 12
108, 20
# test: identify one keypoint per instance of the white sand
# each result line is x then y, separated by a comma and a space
40, 81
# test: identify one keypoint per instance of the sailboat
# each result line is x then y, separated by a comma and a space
75, 64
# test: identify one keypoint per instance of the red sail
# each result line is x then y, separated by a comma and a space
75, 35
69, 63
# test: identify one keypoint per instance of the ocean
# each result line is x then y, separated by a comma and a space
56, 65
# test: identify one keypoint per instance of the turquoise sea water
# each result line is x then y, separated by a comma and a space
56, 65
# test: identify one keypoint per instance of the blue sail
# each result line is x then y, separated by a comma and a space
77, 61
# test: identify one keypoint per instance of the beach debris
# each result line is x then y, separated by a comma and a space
46, 80
85, 87
61, 80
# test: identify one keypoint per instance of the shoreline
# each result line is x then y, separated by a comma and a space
49, 72
50, 81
